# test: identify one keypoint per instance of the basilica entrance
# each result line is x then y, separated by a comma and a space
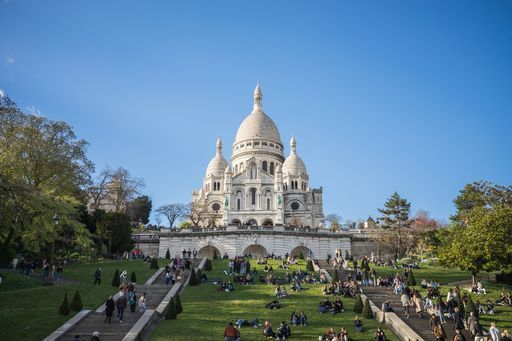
255, 251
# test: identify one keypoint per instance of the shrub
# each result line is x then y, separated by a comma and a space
116, 281
460, 304
154, 264
301, 255
471, 307
76, 302
358, 306
168, 254
193, 279
64, 308
171, 311
367, 310
411, 281
208, 265
214, 254
310, 267
133, 278
177, 303
335, 276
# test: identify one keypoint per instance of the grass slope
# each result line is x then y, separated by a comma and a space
30, 311
206, 311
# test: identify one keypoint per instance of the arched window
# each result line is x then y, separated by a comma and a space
264, 166
296, 185
268, 204
253, 171
272, 168
238, 204
292, 185
241, 167
253, 196
236, 169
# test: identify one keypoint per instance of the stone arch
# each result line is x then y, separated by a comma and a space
308, 244
265, 242
306, 252
209, 251
267, 222
213, 242
236, 222
251, 222
255, 250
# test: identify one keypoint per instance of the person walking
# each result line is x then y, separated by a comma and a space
97, 276
133, 302
494, 332
142, 303
121, 306
109, 309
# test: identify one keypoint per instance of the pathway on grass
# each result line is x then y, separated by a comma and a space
116, 330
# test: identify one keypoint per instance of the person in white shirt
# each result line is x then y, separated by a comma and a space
494, 333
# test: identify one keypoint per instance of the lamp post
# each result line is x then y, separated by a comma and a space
56, 220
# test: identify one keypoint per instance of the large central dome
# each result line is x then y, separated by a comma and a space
258, 125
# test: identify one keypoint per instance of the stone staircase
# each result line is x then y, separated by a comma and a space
379, 295
116, 330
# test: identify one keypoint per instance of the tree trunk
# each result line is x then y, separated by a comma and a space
4, 249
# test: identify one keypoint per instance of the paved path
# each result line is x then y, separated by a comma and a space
116, 330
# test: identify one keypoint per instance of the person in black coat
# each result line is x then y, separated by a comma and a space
458, 320
109, 309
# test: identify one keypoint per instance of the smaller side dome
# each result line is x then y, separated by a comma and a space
293, 165
218, 164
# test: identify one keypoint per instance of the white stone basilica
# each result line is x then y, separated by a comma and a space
261, 187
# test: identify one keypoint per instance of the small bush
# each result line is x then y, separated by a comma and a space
168, 254
171, 311
154, 264
64, 308
301, 255
335, 277
208, 265
411, 281
193, 279
177, 303
471, 307
116, 281
310, 267
214, 254
133, 277
367, 310
460, 304
76, 302
358, 306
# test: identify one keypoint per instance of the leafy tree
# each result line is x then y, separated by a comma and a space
334, 221
309, 266
76, 302
168, 254
154, 264
193, 279
395, 217
367, 310
335, 276
411, 281
358, 305
208, 264
171, 311
43, 168
177, 302
172, 212
115, 229
197, 213
116, 281
133, 277
139, 209
64, 308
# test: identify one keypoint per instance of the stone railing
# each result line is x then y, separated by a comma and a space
242, 228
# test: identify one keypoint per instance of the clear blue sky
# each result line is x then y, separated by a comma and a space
382, 96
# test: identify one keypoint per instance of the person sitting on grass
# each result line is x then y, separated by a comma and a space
490, 308
303, 318
255, 323
329, 335
506, 336
231, 333
294, 319
284, 293
267, 330
343, 335
277, 292
379, 335
283, 332
338, 306
230, 287
324, 306
273, 305
358, 324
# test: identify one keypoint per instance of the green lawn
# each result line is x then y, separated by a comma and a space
30, 311
207, 311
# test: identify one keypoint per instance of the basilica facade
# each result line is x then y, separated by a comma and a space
259, 186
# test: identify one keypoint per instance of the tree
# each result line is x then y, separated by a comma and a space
154, 264
115, 229
173, 212
123, 188
98, 191
358, 305
167, 254
116, 281
64, 308
411, 281
43, 169
301, 255
197, 213
208, 264
171, 311
396, 217
483, 245
177, 302
76, 302
133, 277
139, 210
334, 221
367, 310
193, 279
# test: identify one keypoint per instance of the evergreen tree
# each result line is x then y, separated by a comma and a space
154, 264
396, 217
76, 302
367, 310
471, 307
168, 254
310, 267
460, 304
208, 265
411, 281
171, 311
116, 281
335, 276
301, 255
133, 278
358, 306
214, 254
193, 278
177, 302
64, 308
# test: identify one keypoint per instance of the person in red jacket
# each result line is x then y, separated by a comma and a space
231, 333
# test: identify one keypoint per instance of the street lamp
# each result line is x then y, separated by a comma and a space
56, 220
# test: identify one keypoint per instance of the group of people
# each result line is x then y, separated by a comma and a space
127, 297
